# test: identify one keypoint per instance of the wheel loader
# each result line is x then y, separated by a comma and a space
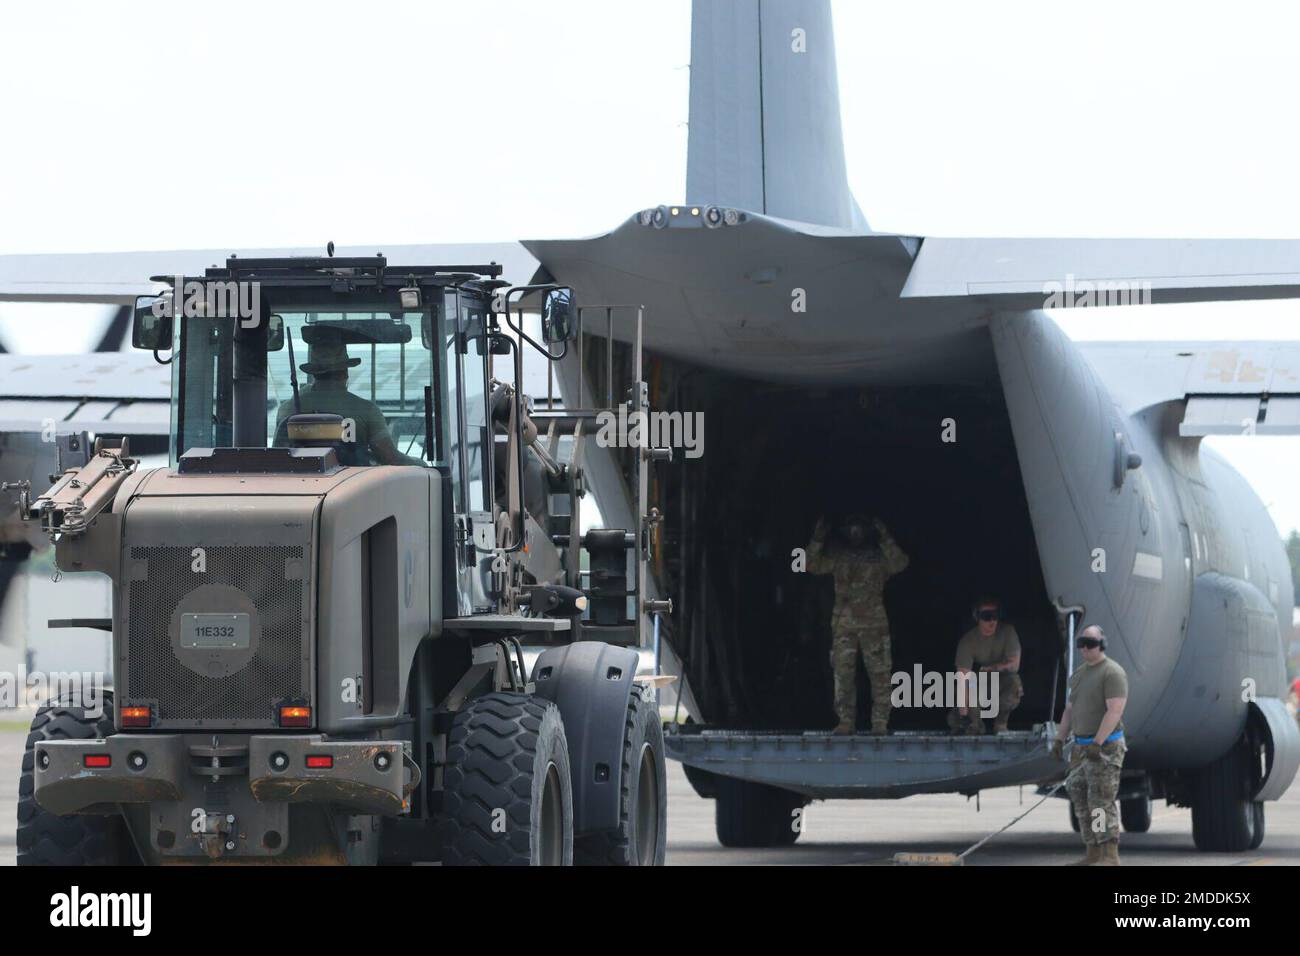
356, 618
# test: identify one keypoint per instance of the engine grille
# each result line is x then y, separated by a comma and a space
279, 669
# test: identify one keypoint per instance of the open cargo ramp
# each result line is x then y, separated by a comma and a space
822, 765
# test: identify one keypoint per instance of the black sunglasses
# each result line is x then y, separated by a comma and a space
987, 615
1088, 642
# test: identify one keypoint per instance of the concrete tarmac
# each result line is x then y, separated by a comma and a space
860, 832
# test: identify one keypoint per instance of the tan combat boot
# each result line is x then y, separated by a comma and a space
1109, 854
844, 728
879, 728
1092, 858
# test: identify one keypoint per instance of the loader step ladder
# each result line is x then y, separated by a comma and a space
618, 559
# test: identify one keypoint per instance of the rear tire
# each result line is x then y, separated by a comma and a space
1223, 816
1135, 814
45, 839
508, 795
756, 815
642, 835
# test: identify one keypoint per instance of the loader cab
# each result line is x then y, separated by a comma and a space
385, 366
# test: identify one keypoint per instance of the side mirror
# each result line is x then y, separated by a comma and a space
557, 316
275, 333
151, 324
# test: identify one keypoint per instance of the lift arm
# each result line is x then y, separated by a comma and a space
81, 494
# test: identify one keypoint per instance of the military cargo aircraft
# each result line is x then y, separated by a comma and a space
923, 381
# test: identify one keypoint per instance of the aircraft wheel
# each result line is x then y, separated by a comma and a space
1258, 839
1135, 814
755, 815
1223, 815
508, 795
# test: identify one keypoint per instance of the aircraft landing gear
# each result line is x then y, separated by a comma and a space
1224, 818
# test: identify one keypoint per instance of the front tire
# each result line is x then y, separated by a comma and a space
45, 839
508, 795
641, 838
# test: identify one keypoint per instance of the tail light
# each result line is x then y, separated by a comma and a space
137, 716
295, 715
97, 761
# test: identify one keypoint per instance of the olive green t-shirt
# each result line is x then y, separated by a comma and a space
976, 650
370, 423
1090, 687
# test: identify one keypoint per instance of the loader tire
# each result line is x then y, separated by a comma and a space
641, 838
755, 815
44, 839
508, 797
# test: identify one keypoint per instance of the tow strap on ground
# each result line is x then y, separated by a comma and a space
959, 859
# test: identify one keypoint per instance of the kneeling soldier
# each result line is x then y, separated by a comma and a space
991, 646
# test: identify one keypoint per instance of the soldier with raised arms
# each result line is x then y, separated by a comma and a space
859, 624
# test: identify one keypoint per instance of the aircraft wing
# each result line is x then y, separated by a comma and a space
101, 392
1231, 388
118, 277
1023, 273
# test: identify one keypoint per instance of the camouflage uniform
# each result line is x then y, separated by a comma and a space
1093, 784
858, 622
1093, 779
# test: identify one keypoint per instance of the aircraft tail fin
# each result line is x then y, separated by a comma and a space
765, 112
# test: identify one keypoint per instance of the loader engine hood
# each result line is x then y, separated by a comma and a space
239, 592
216, 597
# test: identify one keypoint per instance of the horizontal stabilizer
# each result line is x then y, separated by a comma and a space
1063, 273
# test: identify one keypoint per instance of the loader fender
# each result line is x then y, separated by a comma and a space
591, 683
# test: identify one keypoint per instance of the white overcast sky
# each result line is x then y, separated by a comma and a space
168, 126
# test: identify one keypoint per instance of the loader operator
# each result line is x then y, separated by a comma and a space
992, 646
1094, 715
859, 624
328, 363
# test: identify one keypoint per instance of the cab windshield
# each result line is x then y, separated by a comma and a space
236, 386
368, 368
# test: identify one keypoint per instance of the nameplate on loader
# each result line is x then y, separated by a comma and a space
214, 630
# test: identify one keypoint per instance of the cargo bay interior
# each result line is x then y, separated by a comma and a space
753, 634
